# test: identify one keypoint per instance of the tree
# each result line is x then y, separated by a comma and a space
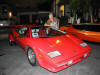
80, 6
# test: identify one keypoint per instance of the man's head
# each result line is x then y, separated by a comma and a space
50, 16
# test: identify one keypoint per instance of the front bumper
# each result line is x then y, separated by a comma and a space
64, 64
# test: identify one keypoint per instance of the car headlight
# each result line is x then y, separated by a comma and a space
1, 24
83, 44
54, 54
86, 54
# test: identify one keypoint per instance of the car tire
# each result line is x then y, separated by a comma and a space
11, 43
31, 57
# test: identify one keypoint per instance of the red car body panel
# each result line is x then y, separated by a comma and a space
85, 34
68, 45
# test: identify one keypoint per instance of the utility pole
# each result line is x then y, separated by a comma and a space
55, 3
54, 6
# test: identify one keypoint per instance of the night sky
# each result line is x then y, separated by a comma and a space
40, 4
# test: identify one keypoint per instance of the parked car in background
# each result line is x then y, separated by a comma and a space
85, 31
52, 49
4, 22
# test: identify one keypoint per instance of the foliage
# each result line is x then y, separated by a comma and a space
64, 1
74, 4
82, 5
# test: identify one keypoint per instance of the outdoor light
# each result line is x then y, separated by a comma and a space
62, 9
1, 24
10, 14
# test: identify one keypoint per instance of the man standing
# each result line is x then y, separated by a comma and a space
52, 22
78, 20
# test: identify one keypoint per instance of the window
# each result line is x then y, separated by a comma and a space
46, 32
24, 19
23, 31
95, 28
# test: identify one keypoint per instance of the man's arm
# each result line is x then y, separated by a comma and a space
47, 23
57, 22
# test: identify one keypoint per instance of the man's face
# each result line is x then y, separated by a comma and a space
50, 16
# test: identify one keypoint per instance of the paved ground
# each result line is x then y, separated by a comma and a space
13, 61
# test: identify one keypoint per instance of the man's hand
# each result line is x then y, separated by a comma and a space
46, 25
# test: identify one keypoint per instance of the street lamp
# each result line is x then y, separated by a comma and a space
62, 9
55, 5
10, 14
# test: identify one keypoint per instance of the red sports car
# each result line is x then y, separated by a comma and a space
52, 49
84, 31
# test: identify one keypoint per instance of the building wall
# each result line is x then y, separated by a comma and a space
30, 17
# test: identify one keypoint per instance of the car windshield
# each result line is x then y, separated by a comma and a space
88, 27
46, 32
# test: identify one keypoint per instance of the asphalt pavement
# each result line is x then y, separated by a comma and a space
13, 61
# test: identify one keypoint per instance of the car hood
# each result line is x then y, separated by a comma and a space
66, 46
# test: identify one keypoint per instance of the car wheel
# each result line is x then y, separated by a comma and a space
11, 43
31, 57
